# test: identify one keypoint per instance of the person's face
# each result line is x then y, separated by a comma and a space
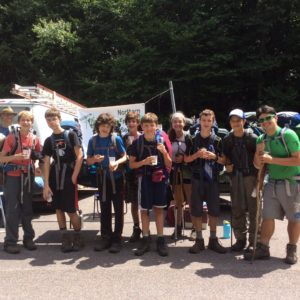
149, 128
104, 130
206, 122
53, 122
25, 123
268, 121
7, 118
132, 125
177, 124
236, 123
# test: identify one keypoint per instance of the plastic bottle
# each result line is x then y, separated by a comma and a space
226, 230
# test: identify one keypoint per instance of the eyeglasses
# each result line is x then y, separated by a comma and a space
50, 119
266, 119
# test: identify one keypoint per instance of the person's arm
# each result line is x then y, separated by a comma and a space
10, 158
167, 159
292, 161
133, 164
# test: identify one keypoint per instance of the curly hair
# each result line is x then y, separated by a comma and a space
132, 115
105, 118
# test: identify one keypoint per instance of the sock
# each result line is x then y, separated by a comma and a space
199, 235
213, 234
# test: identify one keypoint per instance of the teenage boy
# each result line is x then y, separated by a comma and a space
279, 150
16, 154
150, 156
106, 150
132, 120
204, 154
60, 178
239, 148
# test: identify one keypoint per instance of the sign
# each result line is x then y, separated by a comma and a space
88, 116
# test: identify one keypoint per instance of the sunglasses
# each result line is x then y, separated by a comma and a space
266, 119
50, 119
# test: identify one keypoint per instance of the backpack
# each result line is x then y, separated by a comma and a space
196, 128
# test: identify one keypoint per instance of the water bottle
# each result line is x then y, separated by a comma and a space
49, 199
226, 230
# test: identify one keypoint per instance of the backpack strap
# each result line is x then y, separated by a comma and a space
282, 132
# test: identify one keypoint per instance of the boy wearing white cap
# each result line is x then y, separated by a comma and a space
239, 149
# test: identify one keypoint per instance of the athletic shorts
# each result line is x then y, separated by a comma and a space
153, 194
64, 199
281, 198
206, 192
131, 187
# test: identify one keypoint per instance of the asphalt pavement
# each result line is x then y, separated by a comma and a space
49, 274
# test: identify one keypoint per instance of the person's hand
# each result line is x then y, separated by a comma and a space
46, 192
161, 148
260, 148
148, 161
229, 168
19, 156
265, 158
98, 158
200, 153
113, 166
178, 158
38, 171
209, 155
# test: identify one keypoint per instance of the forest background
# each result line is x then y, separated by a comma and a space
219, 54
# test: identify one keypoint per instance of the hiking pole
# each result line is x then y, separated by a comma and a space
259, 185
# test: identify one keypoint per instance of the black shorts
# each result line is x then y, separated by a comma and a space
131, 187
64, 199
205, 192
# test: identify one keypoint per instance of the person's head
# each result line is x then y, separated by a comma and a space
149, 123
7, 114
104, 124
53, 117
132, 120
206, 119
267, 117
237, 119
25, 119
177, 121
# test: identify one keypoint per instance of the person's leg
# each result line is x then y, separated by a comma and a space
178, 199
293, 232
159, 220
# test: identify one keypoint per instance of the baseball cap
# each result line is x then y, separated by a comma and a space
237, 112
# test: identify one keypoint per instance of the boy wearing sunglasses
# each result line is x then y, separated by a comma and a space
279, 150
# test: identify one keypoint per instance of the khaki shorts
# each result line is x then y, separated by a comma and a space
281, 198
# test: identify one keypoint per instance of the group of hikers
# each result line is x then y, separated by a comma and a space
152, 161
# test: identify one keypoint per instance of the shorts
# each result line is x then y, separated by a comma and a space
178, 178
277, 203
153, 194
131, 187
208, 192
64, 199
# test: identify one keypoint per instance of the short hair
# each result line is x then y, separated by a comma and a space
25, 114
150, 118
105, 118
207, 112
265, 109
132, 115
53, 112
178, 115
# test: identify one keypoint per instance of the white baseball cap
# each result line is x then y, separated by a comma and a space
237, 112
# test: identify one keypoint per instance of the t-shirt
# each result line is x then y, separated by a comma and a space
178, 146
4, 130
55, 146
276, 148
27, 142
241, 151
105, 146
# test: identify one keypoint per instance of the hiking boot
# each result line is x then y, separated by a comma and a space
11, 248
116, 247
238, 246
179, 233
102, 244
215, 245
144, 246
197, 247
78, 242
136, 234
249, 248
66, 243
291, 254
193, 235
261, 252
29, 245
161, 246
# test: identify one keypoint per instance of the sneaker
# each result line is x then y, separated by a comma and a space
291, 254
161, 246
102, 244
78, 242
193, 235
261, 252
29, 245
116, 247
136, 234
215, 245
143, 247
179, 233
66, 243
11, 248
197, 247
238, 246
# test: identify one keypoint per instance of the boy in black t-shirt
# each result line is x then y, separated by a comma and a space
204, 154
61, 177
